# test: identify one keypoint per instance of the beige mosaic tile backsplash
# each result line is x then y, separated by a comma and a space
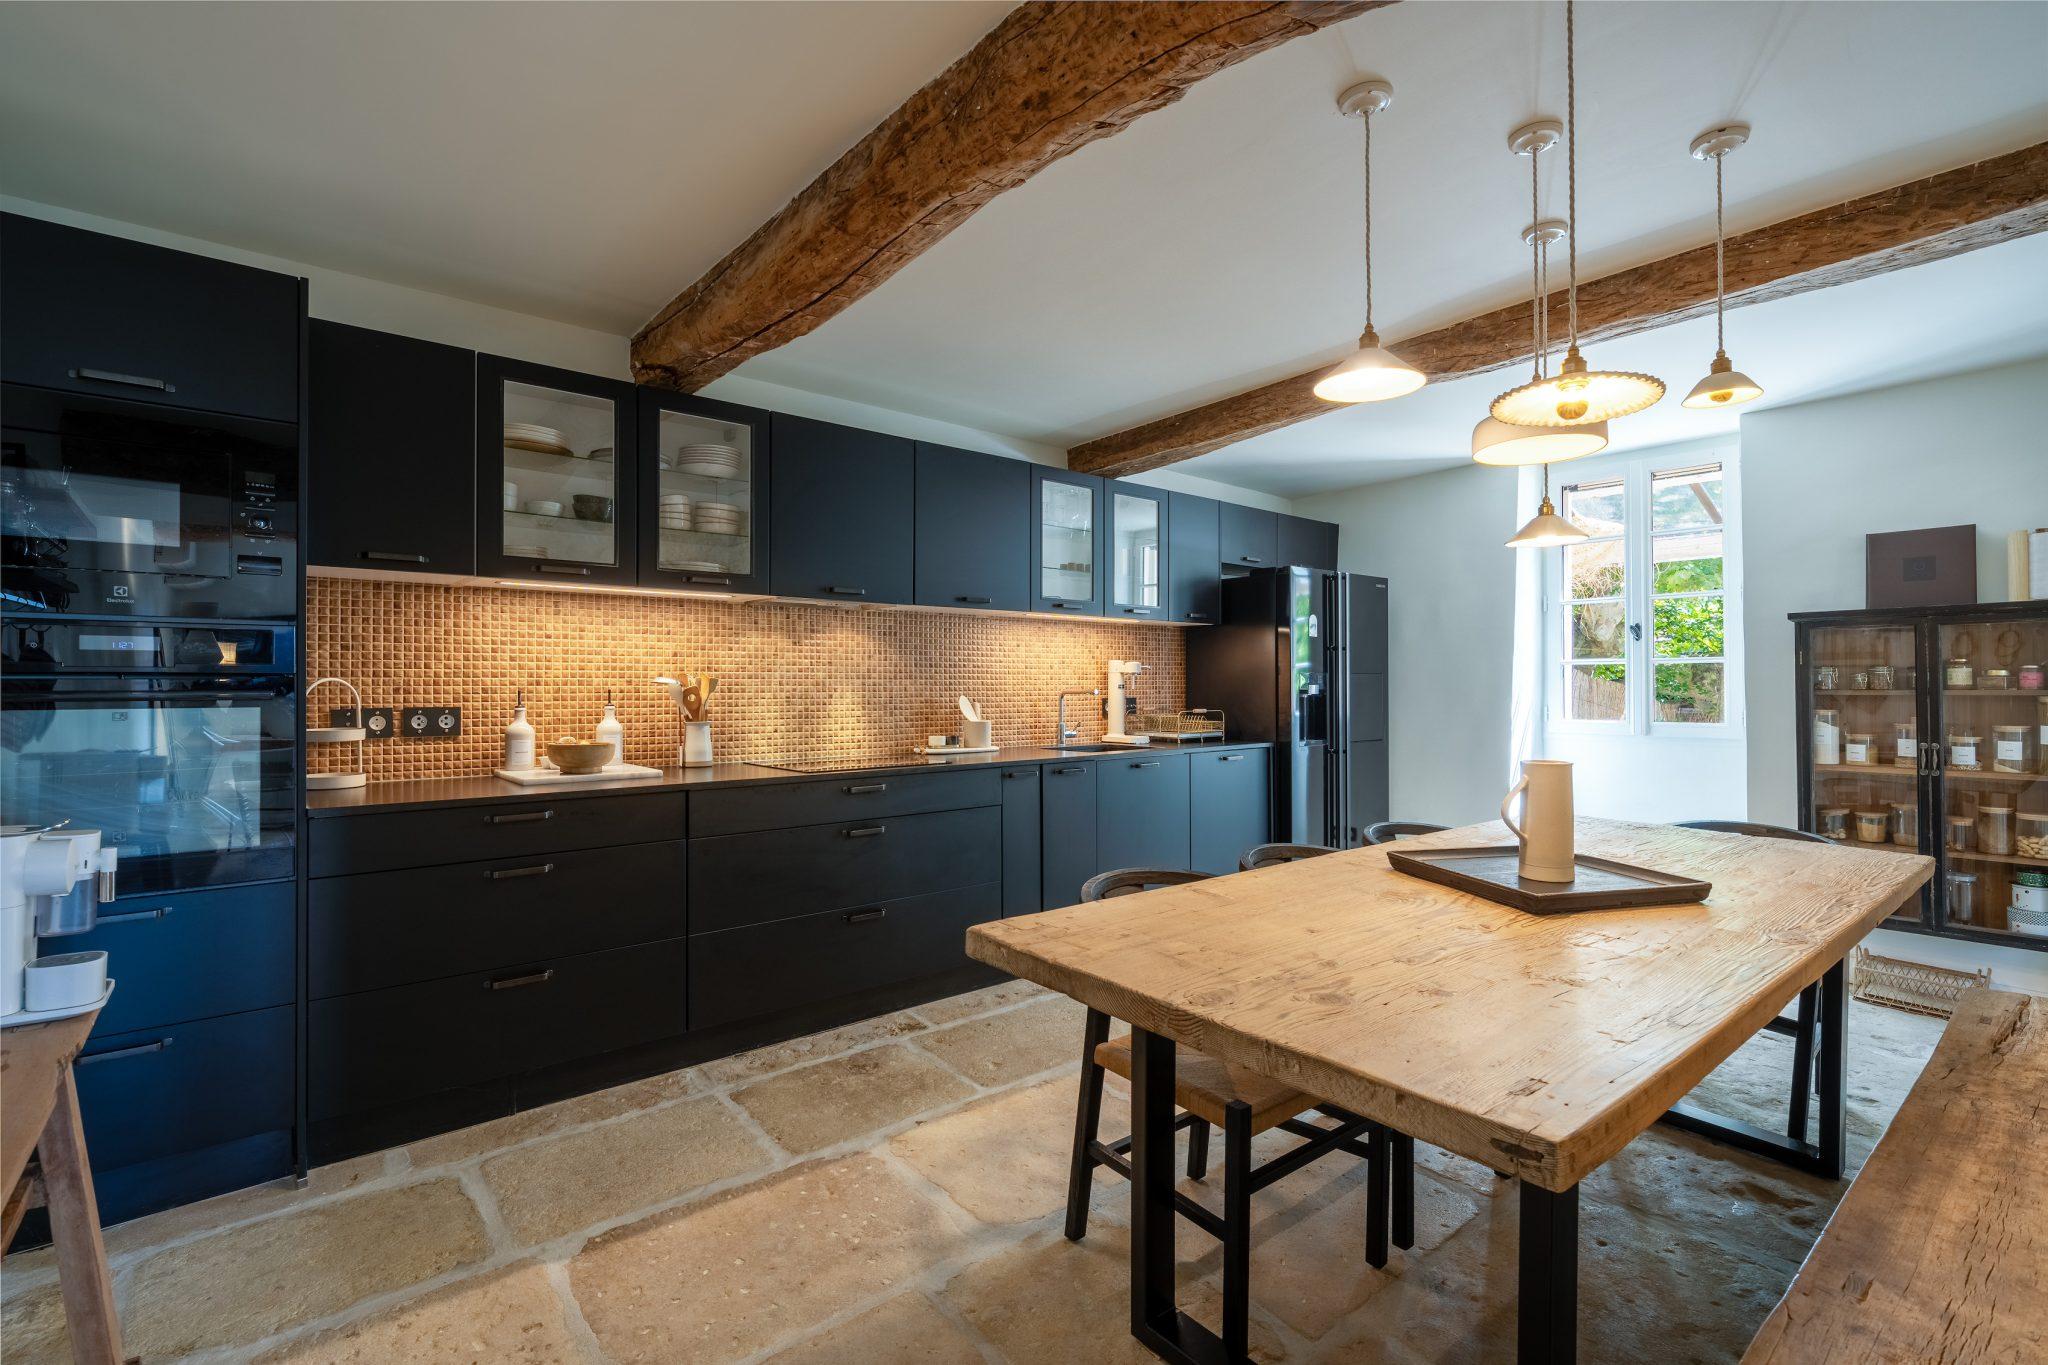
795, 682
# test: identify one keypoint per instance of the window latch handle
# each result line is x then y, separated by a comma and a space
1635, 630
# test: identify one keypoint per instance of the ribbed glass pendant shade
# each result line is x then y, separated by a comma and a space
1502, 443
1545, 529
1724, 386
1576, 395
1369, 375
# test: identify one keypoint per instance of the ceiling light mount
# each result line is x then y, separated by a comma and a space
1366, 97
1538, 136
1545, 232
1719, 141
1725, 386
1371, 374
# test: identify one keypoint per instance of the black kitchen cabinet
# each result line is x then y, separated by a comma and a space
195, 955
1066, 831
704, 472
87, 313
555, 478
973, 530
843, 503
1023, 879
1193, 558
1229, 807
1250, 537
1311, 544
1066, 520
391, 426
1134, 550
1141, 811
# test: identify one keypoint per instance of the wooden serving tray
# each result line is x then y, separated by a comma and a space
1601, 884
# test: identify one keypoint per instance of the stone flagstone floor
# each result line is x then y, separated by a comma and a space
891, 1191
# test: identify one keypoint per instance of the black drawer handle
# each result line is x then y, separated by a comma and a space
513, 983
846, 592
865, 831
133, 915
1062, 772
1064, 606
564, 568
1197, 616
499, 874
133, 381
720, 579
867, 788
1015, 773
525, 817
1139, 611
1230, 758
865, 916
1151, 764
116, 1054
975, 601
392, 557
1250, 559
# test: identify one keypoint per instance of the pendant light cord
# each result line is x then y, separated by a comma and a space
1571, 165
1368, 219
1720, 265
1539, 276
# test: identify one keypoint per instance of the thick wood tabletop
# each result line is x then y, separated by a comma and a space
1538, 1044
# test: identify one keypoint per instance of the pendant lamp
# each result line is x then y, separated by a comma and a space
1576, 394
1546, 528
1725, 386
1372, 373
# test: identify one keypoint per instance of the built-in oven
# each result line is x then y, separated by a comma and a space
116, 508
176, 740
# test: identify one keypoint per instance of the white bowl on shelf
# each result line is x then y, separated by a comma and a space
697, 566
543, 507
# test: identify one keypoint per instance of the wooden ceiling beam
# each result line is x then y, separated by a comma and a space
1049, 79
1927, 220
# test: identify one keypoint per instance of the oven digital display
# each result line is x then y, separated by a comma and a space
135, 642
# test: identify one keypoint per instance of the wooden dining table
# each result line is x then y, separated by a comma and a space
1540, 1045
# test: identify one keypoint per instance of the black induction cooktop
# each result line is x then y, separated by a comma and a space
849, 765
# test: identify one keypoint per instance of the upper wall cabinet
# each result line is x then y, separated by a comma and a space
702, 512
1135, 551
390, 425
89, 313
973, 530
843, 512
1193, 555
1312, 544
1251, 537
1067, 515
555, 480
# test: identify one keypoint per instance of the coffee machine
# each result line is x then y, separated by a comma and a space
53, 879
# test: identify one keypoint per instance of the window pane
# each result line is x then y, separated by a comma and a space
1687, 627
1596, 631
1596, 691
1689, 693
1686, 498
1593, 570
1596, 507
1688, 561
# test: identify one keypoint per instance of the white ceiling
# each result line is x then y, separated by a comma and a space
586, 161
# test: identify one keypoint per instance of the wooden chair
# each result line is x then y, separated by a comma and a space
1386, 831
1272, 855
1244, 1104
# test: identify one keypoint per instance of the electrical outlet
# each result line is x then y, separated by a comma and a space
430, 722
379, 722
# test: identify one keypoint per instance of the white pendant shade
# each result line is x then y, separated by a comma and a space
1575, 396
1724, 387
1369, 375
1544, 530
1502, 443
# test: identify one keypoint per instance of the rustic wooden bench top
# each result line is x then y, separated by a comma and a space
1540, 1045
1940, 1249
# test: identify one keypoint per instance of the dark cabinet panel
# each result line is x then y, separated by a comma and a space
195, 954
1022, 877
390, 423
1141, 811
1229, 808
1369, 795
1067, 573
555, 475
704, 469
185, 1087
471, 832
1251, 537
1135, 550
856, 796
88, 313
1067, 831
973, 530
1312, 544
1193, 559
1368, 624
843, 516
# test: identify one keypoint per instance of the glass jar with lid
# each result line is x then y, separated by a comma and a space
1873, 826
1962, 834
1834, 822
2032, 839
2033, 677
1827, 736
1905, 744
1906, 823
1995, 680
1994, 829
1962, 896
1859, 749
1957, 673
1881, 678
1963, 752
2041, 735
2012, 748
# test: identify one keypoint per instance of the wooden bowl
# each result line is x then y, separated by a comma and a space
578, 757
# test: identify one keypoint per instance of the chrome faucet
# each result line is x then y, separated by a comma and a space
1069, 733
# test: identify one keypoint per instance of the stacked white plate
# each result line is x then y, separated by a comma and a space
722, 518
698, 566
711, 460
674, 511
525, 552
530, 436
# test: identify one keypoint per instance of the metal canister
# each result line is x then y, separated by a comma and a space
1994, 829
1995, 680
1962, 896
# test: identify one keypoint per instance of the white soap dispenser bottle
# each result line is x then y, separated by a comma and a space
519, 738
609, 731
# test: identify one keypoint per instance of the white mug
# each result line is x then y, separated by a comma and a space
977, 734
1545, 833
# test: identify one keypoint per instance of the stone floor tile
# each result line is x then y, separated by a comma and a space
32, 1328
570, 1182
1005, 1159
829, 1102
761, 1061
999, 1048
906, 1330
250, 1282
726, 1278
154, 1230
1741, 1201
954, 1008
464, 1143
509, 1315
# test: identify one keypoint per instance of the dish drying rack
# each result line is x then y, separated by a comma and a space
1191, 726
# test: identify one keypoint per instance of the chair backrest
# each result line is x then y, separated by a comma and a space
1755, 830
1271, 855
1386, 831
1128, 881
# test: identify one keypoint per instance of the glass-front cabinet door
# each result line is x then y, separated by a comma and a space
555, 481
1067, 516
1991, 712
1136, 553
704, 479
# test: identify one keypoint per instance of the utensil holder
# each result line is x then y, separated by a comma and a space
696, 750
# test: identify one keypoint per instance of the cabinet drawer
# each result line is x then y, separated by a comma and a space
386, 928
737, 810
1229, 810
472, 831
1141, 813
160, 1091
193, 955
384, 1047
741, 973
751, 878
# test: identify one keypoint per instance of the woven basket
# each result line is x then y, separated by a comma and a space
1912, 986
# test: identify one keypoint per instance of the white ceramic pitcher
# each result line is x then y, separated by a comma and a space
1545, 833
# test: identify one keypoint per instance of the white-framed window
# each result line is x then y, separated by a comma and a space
1642, 623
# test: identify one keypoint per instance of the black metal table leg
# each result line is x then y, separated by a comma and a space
1155, 1321
1834, 1068
1547, 1310
1802, 1062
1376, 1192
1403, 1157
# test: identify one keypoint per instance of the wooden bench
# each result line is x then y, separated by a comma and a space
1939, 1251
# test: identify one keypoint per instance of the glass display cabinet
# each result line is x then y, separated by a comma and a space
1067, 521
555, 474
704, 480
1928, 730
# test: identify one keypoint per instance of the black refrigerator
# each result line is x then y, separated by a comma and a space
1299, 660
